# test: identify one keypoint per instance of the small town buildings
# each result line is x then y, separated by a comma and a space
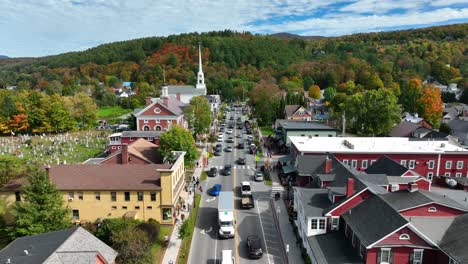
161, 113
288, 128
214, 101
74, 245
405, 129
427, 157
459, 129
140, 151
297, 112
117, 140
93, 192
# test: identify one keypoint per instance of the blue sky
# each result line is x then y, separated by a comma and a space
46, 27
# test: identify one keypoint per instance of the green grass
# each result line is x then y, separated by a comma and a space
110, 112
185, 246
157, 249
266, 131
268, 182
204, 176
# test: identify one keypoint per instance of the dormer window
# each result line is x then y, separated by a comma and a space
404, 237
432, 209
157, 110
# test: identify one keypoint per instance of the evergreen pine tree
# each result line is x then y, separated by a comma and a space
41, 209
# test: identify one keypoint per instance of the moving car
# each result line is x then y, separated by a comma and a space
254, 247
221, 129
228, 149
227, 258
239, 135
241, 161
212, 172
229, 131
230, 140
218, 148
258, 176
227, 170
245, 188
240, 127
218, 153
215, 190
220, 138
240, 146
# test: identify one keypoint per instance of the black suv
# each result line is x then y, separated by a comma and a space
240, 146
241, 161
255, 247
212, 172
227, 170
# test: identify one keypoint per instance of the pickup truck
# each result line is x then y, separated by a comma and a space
247, 201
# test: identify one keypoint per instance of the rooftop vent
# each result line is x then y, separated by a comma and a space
26, 252
348, 144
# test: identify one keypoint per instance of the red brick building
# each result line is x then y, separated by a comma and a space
116, 140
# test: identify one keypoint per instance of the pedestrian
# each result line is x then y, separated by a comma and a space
200, 188
198, 164
193, 178
197, 182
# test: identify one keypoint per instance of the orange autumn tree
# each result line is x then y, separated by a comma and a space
314, 92
19, 122
430, 105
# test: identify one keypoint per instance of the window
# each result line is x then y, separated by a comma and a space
124, 207
458, 174
114, 208
157, 110
80, 196
448, 164
316, 135
137, 207
431, 164
76, 215
394, 187
71, 196
145, 121
146, 128
140, 196
17, 196
149, 207
167, 214
432, 209
403, 163
150, 139
417, 256
364, 164
385, 256
460, 164
153, 196
412, 164
131, 139
113, 196
98, 196
404, 237
447, 174
127, 196
335, 222
158, 121
345, 162
314, 223
157, 128
321, 223
430, 175
354, 163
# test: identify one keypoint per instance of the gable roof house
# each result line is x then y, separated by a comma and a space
73, 245
297, 112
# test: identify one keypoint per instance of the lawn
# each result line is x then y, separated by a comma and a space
204, 176
266, 131
112, 112
185, 247
158, 249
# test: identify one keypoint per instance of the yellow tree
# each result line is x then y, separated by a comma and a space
430, 105
314, 92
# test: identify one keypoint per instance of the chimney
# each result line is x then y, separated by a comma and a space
125, 154
148, 100
178, 96
413, 187
328, 165
350, 187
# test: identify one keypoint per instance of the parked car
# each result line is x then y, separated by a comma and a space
221, 129
230, 139
258, 176
219, 147
229, 131
254, 247
240, 127
212, 172
215, 190
228, 149
220, 138
240, 146
239, 135
217, 153
241, 161
227, 170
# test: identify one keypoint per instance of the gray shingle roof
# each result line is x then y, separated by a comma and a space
454, 240
385, 165
333, 248
141, 134
185, 89
404, 129
308, 164
314, 200
373, 219
303, 125
74, 243
404, 199
290, 109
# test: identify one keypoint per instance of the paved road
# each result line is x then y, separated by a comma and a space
206, 247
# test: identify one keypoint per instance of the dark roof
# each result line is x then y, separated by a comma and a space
454, 240
73, 245
303, 125
107, 176
457, 125
308, 164
373, 219
404, 129
377, 179
436, 134
141, 134
314, 200
326, 177
185, 89
333, 248
290, 109
385, 165
405, 199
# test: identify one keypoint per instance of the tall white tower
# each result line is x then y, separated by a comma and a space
200, 76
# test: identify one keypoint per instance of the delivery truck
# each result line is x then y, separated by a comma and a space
226, 214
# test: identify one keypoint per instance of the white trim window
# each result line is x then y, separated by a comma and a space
157, 110
417, 256
345, 162
430, 175
458, 174
385, 255
403, 163
411, 164
432, 209
364, 164
318, 225
431, 164
404, 237
460, 164
354, 163
335, 223
145, 121
448, 164
447, 174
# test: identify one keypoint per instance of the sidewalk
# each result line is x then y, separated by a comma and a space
172, 250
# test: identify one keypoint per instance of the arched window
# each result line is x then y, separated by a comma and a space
158, 128
146, 128
157, 110
404, 237
432, 209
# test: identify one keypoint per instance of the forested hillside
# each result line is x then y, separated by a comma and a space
236, 63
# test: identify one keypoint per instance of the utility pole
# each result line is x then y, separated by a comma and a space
344, 123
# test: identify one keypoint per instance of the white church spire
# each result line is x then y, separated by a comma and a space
200, 76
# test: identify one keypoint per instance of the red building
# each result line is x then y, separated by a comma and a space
161, 113
426, 157
117, 140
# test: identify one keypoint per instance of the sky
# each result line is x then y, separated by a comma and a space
32, 28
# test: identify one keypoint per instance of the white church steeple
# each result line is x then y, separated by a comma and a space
200, 76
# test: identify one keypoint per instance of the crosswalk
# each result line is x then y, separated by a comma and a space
238, 167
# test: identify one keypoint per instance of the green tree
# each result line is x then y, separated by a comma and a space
12, 167
179, 139
131, 243
411, 94
41, 210
85, 110
329, 93
198, 114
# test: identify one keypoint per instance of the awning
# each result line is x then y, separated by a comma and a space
286, 158
288, 169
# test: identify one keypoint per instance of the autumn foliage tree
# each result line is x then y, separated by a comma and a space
314, 92
429, 105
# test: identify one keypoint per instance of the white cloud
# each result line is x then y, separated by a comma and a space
382, 6
35, 28
448, 2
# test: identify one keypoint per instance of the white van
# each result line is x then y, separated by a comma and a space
227, 258
220, 138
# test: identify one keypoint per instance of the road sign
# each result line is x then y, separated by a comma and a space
256, 158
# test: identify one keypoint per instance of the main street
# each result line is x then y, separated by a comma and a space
206, 246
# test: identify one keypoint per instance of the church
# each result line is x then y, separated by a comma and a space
185, 93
